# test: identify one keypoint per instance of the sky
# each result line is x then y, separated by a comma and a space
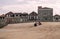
28, 5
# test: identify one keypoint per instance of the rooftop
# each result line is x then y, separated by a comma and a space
44, 7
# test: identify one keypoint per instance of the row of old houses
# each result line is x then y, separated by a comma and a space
11, 17
44, 14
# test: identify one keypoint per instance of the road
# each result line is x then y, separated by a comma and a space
48, 30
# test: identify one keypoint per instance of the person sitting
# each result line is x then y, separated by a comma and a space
39, 23
35, 24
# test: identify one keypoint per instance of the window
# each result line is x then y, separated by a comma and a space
6, 15
45, 18
56, 18
20, 15
16, 15
12, 15
45, 13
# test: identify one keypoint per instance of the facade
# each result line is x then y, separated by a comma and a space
21, 17
2, 21
2, 17
45, 14
16, 17
24, 17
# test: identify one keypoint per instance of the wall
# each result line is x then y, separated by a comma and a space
45, 15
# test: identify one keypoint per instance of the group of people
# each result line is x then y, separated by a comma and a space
37, 23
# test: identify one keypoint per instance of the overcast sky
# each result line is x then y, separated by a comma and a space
28, 5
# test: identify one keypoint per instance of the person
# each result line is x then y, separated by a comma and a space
35, 24
39, 23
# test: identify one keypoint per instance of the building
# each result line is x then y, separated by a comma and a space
20, 17
16, 17
24, 17
45, 14
56, 18
3, 22
33, 16
9, 17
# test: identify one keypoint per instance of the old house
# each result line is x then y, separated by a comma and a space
56, 18
24, 17
45, 14
9, 17
16, 17
3, 22
2, 17
33, 16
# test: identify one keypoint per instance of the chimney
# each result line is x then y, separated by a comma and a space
39, 7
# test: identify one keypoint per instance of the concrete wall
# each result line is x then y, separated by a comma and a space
45, 15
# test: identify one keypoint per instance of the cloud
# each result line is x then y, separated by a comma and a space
7, 2
28, 5
13, 2
20, 8
3, 11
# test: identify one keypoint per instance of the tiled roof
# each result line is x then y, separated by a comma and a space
2, 15
18, 13
56, 15
33, 13
9, 13
25, 14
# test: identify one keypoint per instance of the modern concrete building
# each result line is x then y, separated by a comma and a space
45, 14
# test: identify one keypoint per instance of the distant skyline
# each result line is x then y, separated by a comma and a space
28, 5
